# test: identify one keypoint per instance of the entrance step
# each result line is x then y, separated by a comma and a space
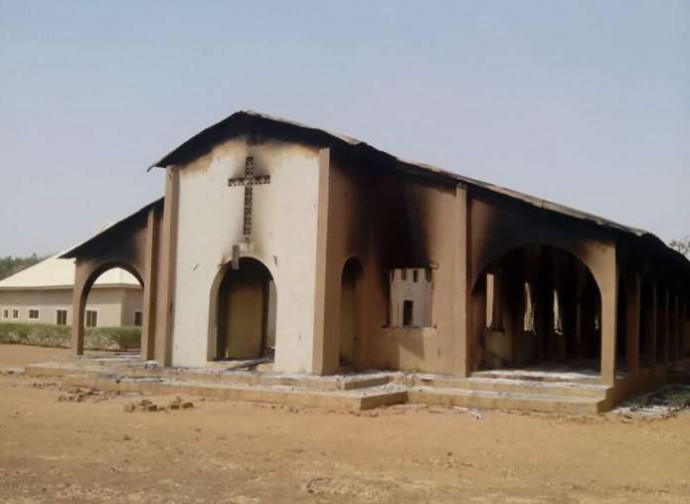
513, 385
354, 400
358, 391
506, 400
213, 376
591, 378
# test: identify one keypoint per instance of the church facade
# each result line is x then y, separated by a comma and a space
281, 242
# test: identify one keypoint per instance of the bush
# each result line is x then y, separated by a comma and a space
59, 336
123, 338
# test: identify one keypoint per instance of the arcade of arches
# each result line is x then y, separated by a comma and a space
537, 305
541, 306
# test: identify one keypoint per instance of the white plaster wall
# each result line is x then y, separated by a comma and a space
284, 240
108, 301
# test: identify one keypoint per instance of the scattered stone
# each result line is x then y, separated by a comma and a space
666, 402
149, 406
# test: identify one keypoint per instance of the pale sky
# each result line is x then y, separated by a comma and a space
586, 103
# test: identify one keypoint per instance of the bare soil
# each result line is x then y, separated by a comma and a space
66, 445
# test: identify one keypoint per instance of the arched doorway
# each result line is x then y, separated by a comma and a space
111, 297
537, 306
349, 311
246, 313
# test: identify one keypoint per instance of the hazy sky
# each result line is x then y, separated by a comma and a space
584, 103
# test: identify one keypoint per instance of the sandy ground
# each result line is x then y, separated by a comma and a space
53, 449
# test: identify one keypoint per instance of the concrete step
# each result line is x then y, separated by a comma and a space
365, 399
540, 376
339, 382
508, 401
353, 392
527, 387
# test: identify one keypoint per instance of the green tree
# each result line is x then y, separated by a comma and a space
10, 265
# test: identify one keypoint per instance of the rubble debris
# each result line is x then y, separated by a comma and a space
666, 402
149, 406
81, 394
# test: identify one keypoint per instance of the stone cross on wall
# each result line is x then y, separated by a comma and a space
249, 181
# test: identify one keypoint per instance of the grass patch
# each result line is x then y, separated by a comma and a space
59, 336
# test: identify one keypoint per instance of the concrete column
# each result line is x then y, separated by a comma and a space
685, 332
666, 325
543, 290
164, 334
325, 347
633, 294
676, 334
608, 283
148, 329
568, 300
478, 319
462, 289
78, 309
654, 322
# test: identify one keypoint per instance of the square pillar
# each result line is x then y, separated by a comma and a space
654, 322
164, 334
78, 307
148, 329
685, 331
676, 333
325, 346
633, 294
462, 355
665, 321
608, 283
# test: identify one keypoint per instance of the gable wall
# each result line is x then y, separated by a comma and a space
210, 218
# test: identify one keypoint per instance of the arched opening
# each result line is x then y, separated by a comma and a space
350, 318
246, 313
111, 309
537, 306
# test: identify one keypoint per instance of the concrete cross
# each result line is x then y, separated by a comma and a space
249, 181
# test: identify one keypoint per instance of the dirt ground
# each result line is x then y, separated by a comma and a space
62, 446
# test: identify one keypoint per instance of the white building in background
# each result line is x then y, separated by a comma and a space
43, 294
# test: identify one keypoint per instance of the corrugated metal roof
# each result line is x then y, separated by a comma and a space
249, 117
55, 272
143, 211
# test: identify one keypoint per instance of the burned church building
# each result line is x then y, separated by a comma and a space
285, 243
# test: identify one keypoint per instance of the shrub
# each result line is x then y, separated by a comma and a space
123, 338
59, 336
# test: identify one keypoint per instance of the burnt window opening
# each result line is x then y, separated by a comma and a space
528, 324
408, 308
557, 314
494, 306
410, 297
